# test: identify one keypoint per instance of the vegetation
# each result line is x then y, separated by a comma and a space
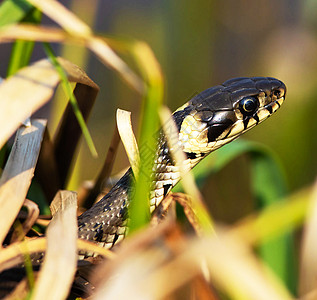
253, 256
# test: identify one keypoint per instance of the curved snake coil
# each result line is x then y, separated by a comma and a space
208, 121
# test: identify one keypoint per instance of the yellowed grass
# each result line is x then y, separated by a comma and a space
156, 262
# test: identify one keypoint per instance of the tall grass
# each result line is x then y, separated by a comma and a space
252, 259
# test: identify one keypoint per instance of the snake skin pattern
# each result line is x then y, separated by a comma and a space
208, 121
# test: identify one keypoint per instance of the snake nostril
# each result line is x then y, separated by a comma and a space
278, 93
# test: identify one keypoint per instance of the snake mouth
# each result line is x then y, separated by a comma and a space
267, 110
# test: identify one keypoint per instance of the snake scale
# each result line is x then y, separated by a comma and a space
208, 121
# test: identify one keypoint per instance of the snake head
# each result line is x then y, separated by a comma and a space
224, 112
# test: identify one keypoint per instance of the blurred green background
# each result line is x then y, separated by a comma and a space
200, 44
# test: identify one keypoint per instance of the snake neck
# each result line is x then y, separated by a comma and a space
166, 174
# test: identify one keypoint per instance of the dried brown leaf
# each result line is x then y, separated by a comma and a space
202, 289
186, 202
159, 214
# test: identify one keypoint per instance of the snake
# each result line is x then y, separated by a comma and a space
205, 123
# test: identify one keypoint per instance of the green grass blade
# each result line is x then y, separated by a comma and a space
139, 208
10, 12
22, 50
17, 59
269, 187
13, 11
68, 90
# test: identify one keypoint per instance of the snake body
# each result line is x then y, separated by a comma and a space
208, 121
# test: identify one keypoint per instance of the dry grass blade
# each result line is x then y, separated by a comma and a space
12, 255
149, 271
36, 86
61, 15
257, 228
109, 58
74, 26
128, 139
33, 213
96, 44
308, 265
235, 269
129, 258
61, 253
38, 33
18, 172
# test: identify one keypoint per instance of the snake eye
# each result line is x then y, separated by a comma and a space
248, 105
